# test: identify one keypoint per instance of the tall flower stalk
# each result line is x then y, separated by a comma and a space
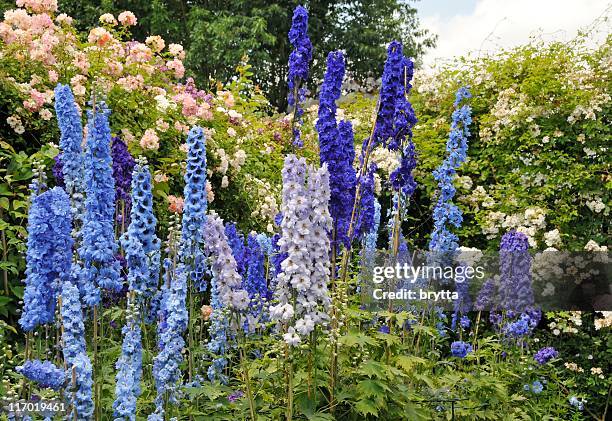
100, 269
129, 366
48, 256
230, 301
299, 61
194, 208
71, 138
141, 244
336, 149
123, 166
446, 213
80, 392
302, 298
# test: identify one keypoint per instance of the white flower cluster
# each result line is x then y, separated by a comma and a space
590, 110
267, 207
305, 239
509, 107
479, 197
552, 238
606, 321
596, 205
226, 161
386, 160
529, 223
15, 122
593, 246
566, 322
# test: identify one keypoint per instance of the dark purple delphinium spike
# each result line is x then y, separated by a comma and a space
391, 86
235, 239
404, 117
336, 145
485, 297
515, 272
365, 217
545, 354
299, 60
123, 165
401, 178
58, 173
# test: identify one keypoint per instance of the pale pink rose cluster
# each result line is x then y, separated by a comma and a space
35, 101
38, 6
149, 140
156, 43
177, 67
108, 19
191, 107
175, 204
99, 36
139, 53
176, 50
78, 85
127, 18
227, 97
131, 83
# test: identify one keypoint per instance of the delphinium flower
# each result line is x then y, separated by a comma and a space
123, 165
315, 302
391, 85
100, 269
336, 146
523, 326
218, 331
545, 354
48, 256
57, 170
141, 245
370, 238
223, 265
365, 215
515, 272
172, 325
304, 237
227, 294
402, 179
129, 367
254, 281
45, 373
71, 130
446, 213
194, 208
577, 403
486, 296
267, 247
460, 349
537, 387
299, 60
75, 356
235, 240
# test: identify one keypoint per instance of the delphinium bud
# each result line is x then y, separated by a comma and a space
297, 74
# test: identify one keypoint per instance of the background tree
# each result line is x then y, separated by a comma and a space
217, 33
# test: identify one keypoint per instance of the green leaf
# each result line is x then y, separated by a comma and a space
356, 338
372, 388
366, 407
408, 362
